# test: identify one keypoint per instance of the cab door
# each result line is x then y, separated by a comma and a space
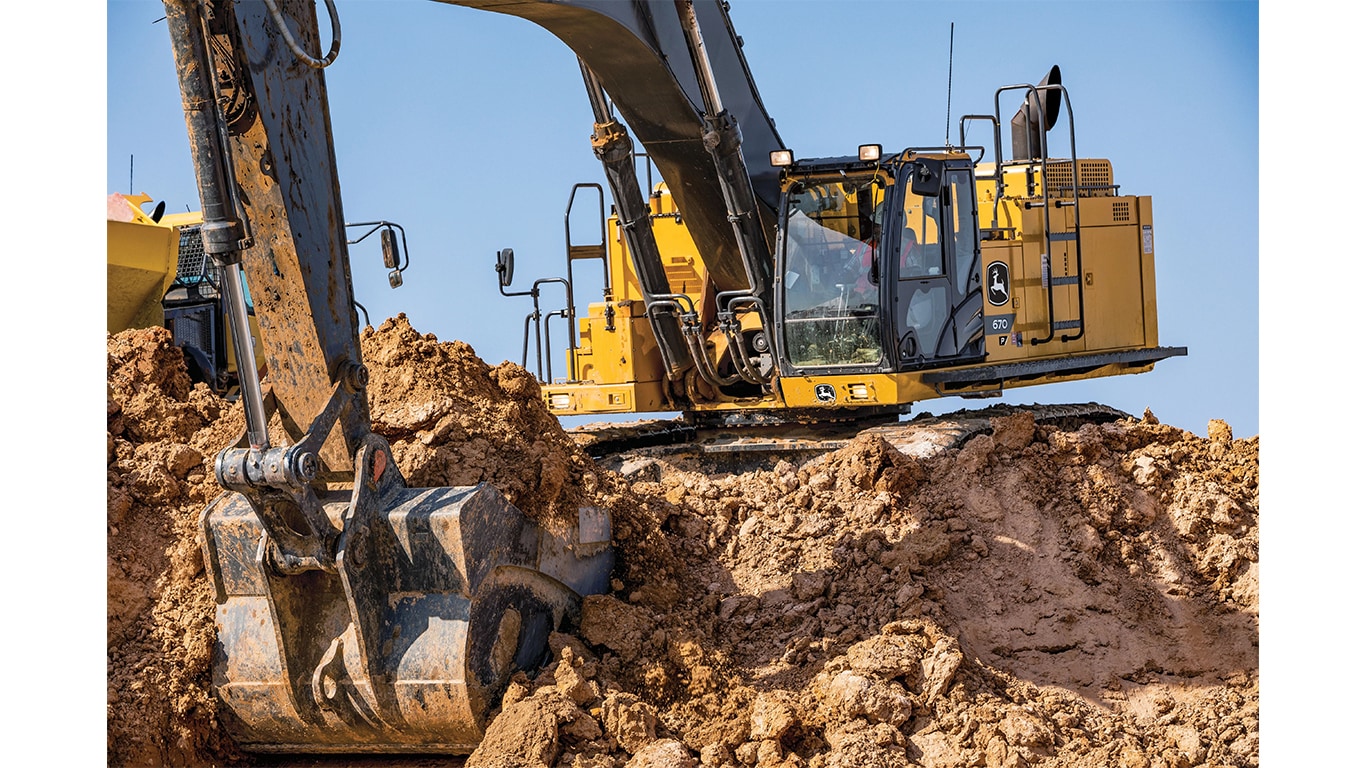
937, 307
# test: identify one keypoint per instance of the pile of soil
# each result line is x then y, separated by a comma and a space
163, 435
1036, 597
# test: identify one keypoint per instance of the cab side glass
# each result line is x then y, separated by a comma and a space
922, 246
965, 237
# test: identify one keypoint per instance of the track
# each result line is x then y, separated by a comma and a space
921, 436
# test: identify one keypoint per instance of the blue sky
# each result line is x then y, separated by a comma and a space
470, 128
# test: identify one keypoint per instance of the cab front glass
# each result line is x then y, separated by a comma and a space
830, 293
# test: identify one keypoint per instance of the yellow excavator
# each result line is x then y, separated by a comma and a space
874, 281
358, 614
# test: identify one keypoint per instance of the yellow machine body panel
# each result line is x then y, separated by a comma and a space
615, 344
142, 263
617, 364
1100, 264
682, 263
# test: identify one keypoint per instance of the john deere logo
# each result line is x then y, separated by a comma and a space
825, 393
998, 283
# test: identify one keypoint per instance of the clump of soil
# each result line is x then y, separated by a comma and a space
1037, 596
452, 420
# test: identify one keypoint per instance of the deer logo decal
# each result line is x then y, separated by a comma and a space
998, 283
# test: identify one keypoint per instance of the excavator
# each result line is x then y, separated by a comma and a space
356, 613
871, 281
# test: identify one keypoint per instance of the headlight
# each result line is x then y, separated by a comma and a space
780, 158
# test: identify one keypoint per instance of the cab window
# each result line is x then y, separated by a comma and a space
964, 229
830, 296
922, 248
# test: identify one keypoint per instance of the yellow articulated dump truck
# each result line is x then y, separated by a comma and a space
159, 275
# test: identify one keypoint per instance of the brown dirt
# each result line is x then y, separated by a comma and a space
1037, 597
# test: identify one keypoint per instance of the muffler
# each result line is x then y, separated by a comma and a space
1036, 117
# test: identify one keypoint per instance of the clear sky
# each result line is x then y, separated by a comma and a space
469, 128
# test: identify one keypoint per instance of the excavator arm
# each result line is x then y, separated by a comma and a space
262, 143
354, 613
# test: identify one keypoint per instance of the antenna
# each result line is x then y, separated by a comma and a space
130, 174
948, 109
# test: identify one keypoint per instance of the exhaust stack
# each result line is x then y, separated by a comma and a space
1026, 130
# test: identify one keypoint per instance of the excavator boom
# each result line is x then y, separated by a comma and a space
640, 53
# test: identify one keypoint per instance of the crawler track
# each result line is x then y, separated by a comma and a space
921, 436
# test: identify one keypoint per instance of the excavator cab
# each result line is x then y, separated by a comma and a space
878, 265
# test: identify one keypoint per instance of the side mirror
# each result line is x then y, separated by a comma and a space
395, 254
927, 177
388, 242
504, 267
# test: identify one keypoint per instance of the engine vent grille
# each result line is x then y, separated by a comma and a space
192, 327
1095, 178
1121, 211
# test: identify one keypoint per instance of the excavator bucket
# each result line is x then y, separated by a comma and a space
435, 598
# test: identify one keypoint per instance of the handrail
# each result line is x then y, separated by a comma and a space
1043, 161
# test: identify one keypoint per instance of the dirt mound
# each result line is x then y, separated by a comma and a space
162, 434
453, 420
1037, 597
